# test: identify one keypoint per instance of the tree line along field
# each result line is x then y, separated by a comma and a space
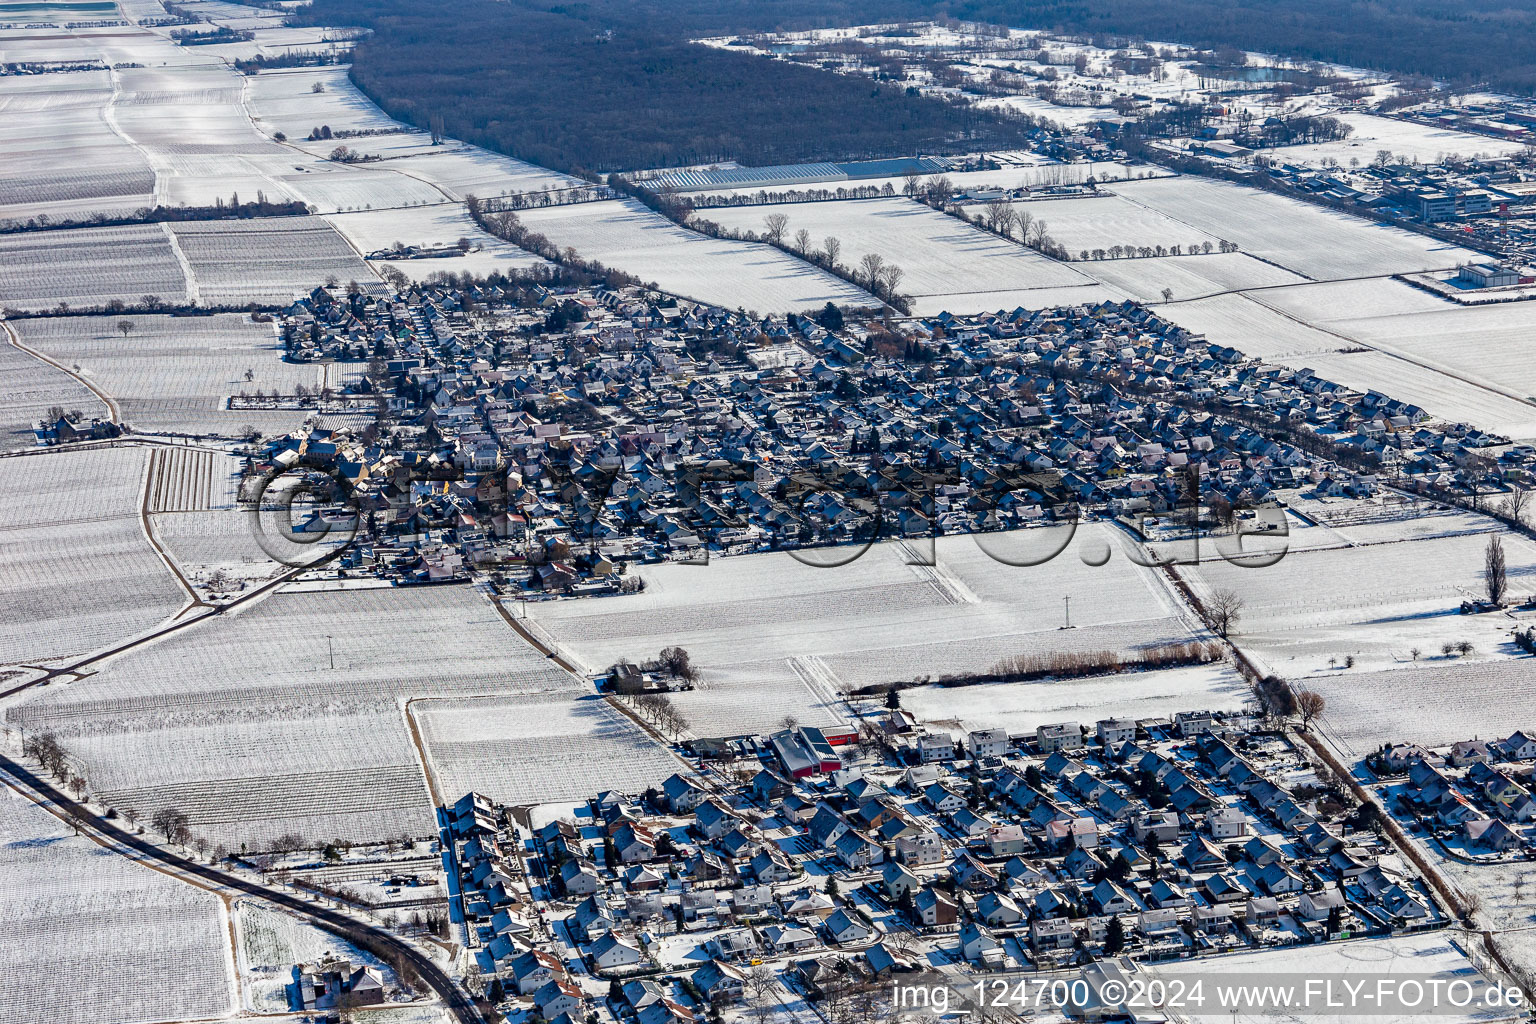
243, 722
939, 255
80, 574
122, 937
625, 235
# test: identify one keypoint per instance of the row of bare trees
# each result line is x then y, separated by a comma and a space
659, 710
873, 273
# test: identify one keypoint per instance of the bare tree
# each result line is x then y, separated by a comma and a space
761, 980
1226, 608
1495, 574
125, 327
871, 265
802, 241
893, 276
1515, 507
171, 822
833, 248
1024, 219
774, 226
911, 183
1309, 704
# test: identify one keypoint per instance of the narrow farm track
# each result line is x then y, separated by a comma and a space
113, 412
360, 933
155, 469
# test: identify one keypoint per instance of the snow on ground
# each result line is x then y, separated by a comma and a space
1249, 326
79, 572
626, 235
1439, 955
284, 100
1187, 277
1406, 140
437, 225
1312, 241
272, 942
88, 267
537, 747
129, 943
244, 723
29, 388
174, 373
267, 261
1105, 220
940, 255
799, 634
1021, 170
1020, 707
1375, 601
1009, 300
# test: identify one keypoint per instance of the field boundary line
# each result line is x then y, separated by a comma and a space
114, 414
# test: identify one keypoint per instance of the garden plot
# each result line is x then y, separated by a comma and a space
535, 748
29, 388
89, 266
878, 619
80, 574
273, 941
440, 225
268, 261
244, 723
1020, 707
131, 944
1314, 242
1187, 277
1108, 220
1438, 700
1375, 602
940, 255
625, 235
174, 373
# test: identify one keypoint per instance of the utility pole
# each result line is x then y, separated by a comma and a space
330, 650
1067, 600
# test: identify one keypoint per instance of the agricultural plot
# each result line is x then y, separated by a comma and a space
1251, 327
1108, 220
1375, 601
801, 634
940, 255
626, 235
538, 747
287, 715
1187, 277
1020, 170
29, 388
1020, 707
267, 261
284, 100
177, 374
1405, 140
135, 944
89, 266
1438, 700
1028, 298
1314, 242
336, 188
444, 224
80, 573
467, 171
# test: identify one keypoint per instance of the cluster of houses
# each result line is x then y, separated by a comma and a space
834, 865
1475, 792
566, 434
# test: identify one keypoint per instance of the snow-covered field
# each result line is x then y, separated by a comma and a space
1020, 707
176, 373
1108, 220
267, 261
30, 387
1187, 277
436, 225
1011, 299
244, 723
1313, 242
940, 255
1023, 170
626, 235
1409, 142
89, 266
536, 747
1246, 324
795, 635
127, 943
79, 572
